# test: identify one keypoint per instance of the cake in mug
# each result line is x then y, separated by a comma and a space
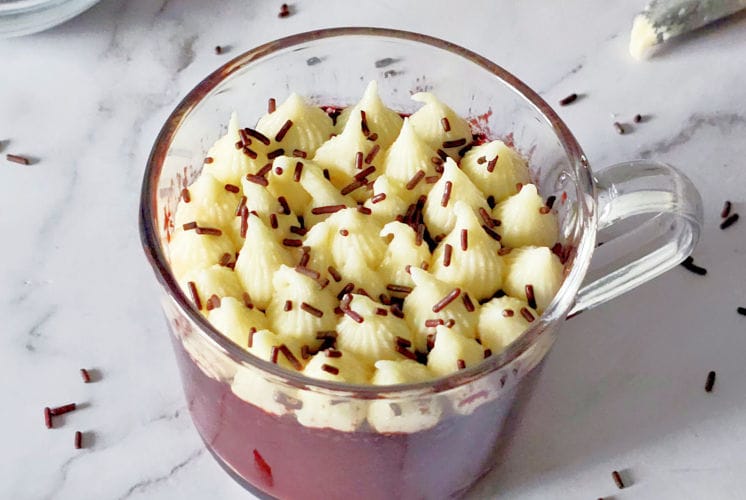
362, 246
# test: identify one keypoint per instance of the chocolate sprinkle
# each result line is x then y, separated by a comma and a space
446, 124
284, 11
619, 128
231, 188
274, 354
247, 300
454, 144
550, 201
271, 105
61, 410
443, 303
710, 381
311, 310
285, 350
617, 479
487, 353
274, 154
258, 135
447, 251
298, 153
22, 160
486, 217
195, 295
372, 154
468, 304
78, 440
725, 212
257, 180
637, 118
209, 159
327, 209
380, 311
530, 298
741, 311
47, 418
491, 164
284, 204
446, 194
211, 231
85, 375
568, 100
461, 364
244, 222
334, 274
326, 334
464, 239
359, 160
330, 369
527, 314
399, 288
352, 314
189, 225
351, 187
332, 353
225, 259
432, 323
264, 170
283, 130
415, 180
732, 219
307, 272
326, 174
297, 172
360, 176
690, 266
405, 352
492, 234
508, 313
403, 342
250, 153
364, 124
212, 303
185, 195
300, 231
344, 232
544, 210
292, 242
378, 198
241, 205
431, 179
288, 306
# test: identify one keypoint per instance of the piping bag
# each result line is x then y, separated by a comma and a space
662, 20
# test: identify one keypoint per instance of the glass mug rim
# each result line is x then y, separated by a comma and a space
557, 310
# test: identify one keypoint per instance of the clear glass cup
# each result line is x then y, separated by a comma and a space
24, 17
288, 436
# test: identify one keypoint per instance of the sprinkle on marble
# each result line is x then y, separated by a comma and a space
732, 219
568, 100
85, 375
619, 128
637, 118
725, 212
61, 410
48, 417
78, 440
271, 105
617, 479
21, 160
710, 383
690, 266
284, 11
218, 50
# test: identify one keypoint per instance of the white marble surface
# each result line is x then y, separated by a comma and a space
623, 387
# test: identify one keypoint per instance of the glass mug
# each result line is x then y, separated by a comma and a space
284, 435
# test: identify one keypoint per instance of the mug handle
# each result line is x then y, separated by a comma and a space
652, 216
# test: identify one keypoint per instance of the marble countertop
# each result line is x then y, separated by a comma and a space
623, 386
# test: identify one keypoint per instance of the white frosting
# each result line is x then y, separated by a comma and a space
229, 163
536, 266
234, 320
324, 194
393, 203
418, 308
261, 201
300, 324
642, 37
321, 410
440, 219
375, 338
406, 157
282, 182
311, 126
501, 322
210, 205
258, 260
478, 269
405, 415
189, 251
427, 122
523, 221
402, 251
214, 280
450, 348
362, 241
381, 120
495, 178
